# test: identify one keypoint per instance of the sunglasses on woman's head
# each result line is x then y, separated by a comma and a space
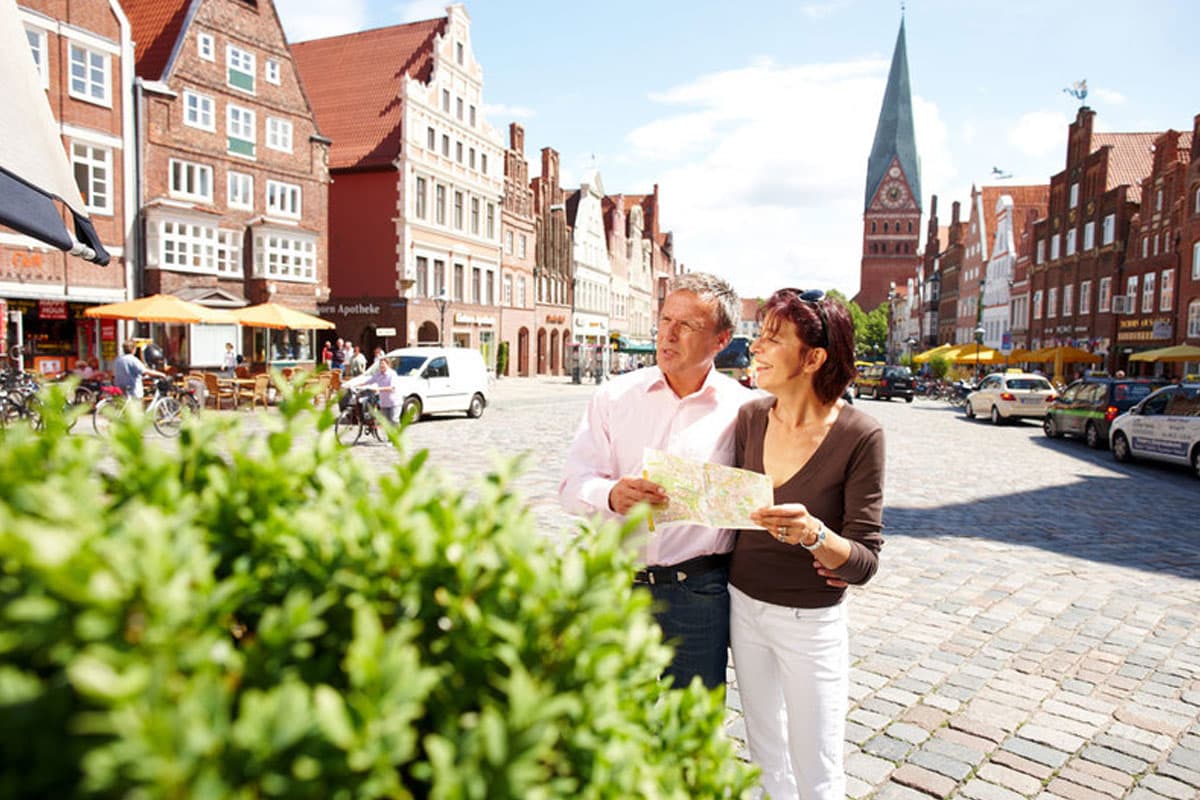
813, 297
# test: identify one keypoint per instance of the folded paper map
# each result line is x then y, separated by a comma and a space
706, 494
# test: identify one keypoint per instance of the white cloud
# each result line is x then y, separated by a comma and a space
501, 113
822, 10
770, 189
968, 132
1039, 133
313, 19
1109, 97
415, 10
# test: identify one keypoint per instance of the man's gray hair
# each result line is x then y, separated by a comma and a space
711, 288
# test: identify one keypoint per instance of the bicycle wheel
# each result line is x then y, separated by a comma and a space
348, 427
10, 411
189, 402
167, 414
104, 415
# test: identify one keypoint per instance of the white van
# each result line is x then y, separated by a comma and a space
441, 379
1163, 427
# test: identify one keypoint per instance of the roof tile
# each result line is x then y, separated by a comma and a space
155, 26
1130, 160
353, 82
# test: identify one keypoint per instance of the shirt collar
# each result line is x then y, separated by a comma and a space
658, 382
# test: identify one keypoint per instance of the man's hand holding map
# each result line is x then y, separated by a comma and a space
706, 494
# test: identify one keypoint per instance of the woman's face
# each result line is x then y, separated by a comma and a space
778, 353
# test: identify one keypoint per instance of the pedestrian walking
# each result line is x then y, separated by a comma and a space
788, 626
683, 406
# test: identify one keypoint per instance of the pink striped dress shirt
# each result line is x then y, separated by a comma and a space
638, 410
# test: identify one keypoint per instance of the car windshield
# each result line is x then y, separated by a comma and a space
1132, 392
898, 372
1029, 384
409, 365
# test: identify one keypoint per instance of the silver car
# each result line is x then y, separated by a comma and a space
1003, 396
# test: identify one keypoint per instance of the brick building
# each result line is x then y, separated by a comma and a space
518, 256
1152, 254
418, 179
927, 287
1079, 248
1189, 247
552, 269
892, 206
612, 210
950, 267
591, 272
84, 56
991, 254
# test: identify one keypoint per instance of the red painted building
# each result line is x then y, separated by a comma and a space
552, 270
518, 257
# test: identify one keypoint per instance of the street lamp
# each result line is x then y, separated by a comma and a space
979, 332
442, 301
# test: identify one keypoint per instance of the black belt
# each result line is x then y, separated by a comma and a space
678, 573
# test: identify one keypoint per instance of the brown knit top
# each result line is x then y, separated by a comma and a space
841, 484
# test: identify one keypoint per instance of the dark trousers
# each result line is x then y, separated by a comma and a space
694, 617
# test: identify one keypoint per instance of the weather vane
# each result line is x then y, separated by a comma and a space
1078, 90
1000, 174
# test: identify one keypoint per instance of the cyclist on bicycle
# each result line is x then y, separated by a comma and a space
386, 382
128, 370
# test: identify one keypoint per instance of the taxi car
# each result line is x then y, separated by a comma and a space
1004, 396
1088, 406
885, 381
736, 361
1163, 427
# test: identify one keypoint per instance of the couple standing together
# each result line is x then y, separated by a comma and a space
773, 595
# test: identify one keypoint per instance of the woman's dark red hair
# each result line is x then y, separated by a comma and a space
819, 323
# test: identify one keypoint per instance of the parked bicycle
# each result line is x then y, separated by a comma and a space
359, 415
165, 410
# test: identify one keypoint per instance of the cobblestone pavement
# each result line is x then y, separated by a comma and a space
1034, 629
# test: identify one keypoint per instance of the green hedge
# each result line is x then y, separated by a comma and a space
237, 615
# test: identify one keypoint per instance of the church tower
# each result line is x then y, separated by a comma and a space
892, 210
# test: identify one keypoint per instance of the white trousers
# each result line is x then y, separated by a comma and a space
793, 677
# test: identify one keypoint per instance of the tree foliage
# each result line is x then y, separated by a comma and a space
251, 616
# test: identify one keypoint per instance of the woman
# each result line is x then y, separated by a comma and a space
787, 624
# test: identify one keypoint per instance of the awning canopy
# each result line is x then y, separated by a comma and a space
165, 308
629, 346
1174, 354
34, 171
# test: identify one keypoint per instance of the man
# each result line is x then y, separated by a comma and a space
358, 363
685, 407
128, 370
339, 353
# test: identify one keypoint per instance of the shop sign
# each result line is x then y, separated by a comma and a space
385, 331
349, 309
52, 309
471, 319
20, 260
1162, 330
108, 330
556, 319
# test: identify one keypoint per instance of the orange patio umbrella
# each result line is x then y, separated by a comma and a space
165, 308
280, 317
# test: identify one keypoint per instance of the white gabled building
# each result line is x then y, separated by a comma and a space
591, 271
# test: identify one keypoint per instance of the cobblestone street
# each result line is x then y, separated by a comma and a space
1034, 629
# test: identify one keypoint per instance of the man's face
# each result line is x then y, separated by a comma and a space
687, 335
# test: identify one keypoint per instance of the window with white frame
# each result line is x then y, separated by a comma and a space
241, 68
446, 100
459, 282
508, 290
1166, 292
1074, 201
240, 128
1104, 300
1052, 302
458, 52
430, 138
1041, 250
483, 163
272, 71
521, 291
279, 134
1193, 328
1145, 246
1158, 198
439, 278
1071, 242
1196, 261
1089, 235
1156, 243
419, 198
1037, 304
90, 75
475, 215
508, 243
458, 152
229, 253
439, 204
1196, 201
458, 210
1110, 229
491, 287
198, 110
445, 145
186, 246
1131, 286
491, 221
285, 256
1055, 244
241, 190
471, 119
1085, 297
93, 174
191, 181
1068, 307
283, 199
1148, 293
37, 48
205, 48
458, 108
521, 243
471, 158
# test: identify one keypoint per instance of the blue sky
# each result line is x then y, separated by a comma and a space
756, 119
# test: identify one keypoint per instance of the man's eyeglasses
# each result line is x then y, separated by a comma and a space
814, 297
